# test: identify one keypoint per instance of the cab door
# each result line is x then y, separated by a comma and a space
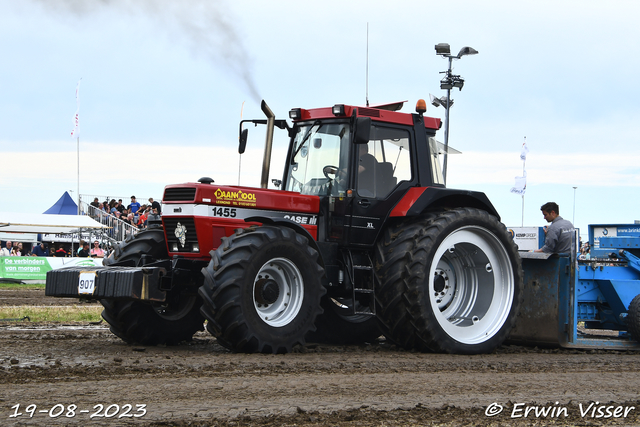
382, 173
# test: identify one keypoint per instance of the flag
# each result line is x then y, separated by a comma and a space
524, 152
76, 118
521, 184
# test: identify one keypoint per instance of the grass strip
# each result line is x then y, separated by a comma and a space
71, 313
10, 285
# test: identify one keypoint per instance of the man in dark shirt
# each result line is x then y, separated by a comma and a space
60, 252
39, 250
155, 205
558, 234
84, 252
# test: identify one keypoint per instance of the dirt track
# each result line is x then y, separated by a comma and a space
201, 383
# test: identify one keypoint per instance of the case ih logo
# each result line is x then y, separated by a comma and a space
235, 198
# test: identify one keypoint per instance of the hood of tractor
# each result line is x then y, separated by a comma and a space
197, 216
239, 197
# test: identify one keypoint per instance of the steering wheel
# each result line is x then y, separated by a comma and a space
329, 170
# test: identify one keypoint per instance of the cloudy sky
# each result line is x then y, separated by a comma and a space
165, 83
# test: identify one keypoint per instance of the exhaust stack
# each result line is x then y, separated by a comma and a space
266, 161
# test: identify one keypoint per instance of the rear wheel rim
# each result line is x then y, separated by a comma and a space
471, 285
278, 292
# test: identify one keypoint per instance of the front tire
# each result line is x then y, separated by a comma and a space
147, 323
262, 290
451, 282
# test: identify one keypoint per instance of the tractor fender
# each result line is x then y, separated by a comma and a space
290, 224
419, 200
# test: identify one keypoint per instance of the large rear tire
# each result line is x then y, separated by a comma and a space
147, 323
633, 318
262, 290
450, 282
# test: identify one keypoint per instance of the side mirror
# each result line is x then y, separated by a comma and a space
243, 140
362, 130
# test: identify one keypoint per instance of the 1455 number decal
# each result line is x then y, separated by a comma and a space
224, 212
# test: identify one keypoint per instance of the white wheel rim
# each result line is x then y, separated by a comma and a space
471, 285
279, 300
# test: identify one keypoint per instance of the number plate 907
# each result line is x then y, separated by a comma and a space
87, 283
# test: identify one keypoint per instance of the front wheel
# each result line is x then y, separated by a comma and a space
460, 279
262, 290
151, 323
138, 322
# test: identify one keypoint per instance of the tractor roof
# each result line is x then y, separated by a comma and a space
382, 113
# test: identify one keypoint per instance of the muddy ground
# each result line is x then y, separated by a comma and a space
53, 366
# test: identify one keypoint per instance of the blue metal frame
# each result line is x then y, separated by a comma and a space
580, 304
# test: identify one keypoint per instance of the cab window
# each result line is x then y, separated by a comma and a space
383, 162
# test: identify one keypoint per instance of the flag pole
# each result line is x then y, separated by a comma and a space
521, 181
76, 133
523, 172
78, 151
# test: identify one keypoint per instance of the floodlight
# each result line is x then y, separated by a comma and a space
443, 49
446, 84
440, 102
434, 101
466, 51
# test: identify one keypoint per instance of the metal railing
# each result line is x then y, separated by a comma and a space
117, 230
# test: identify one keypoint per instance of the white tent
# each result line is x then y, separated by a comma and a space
45, 223
19, 237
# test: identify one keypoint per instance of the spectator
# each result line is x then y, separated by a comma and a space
6, 251
155, 205
95, 203
52, 250
39, 250
125, 219
80, 246
134, 206
120, 206
60, 252
16, 250
142, 219
84, 252
96, 251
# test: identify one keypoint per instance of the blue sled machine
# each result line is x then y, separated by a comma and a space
590, 303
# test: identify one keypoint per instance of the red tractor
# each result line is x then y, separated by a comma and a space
362, 240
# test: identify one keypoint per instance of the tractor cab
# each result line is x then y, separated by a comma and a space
360, 161
344, 155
